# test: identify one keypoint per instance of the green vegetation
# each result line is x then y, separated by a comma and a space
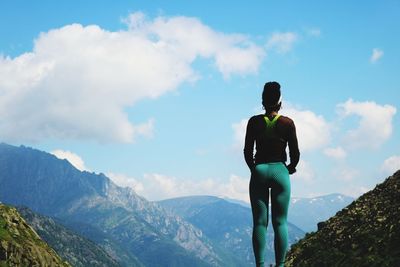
4, 234
20, 245
79, 251
365, 233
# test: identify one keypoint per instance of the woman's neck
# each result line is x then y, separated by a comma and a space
271, 114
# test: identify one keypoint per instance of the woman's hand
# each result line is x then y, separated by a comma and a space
291, 169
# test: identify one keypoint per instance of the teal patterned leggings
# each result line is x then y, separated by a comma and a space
274, 176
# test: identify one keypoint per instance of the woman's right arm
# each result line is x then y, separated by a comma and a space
249, 145
294, 153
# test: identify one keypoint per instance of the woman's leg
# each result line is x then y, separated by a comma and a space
259, 196
280, 197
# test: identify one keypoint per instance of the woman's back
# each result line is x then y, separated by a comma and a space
271, 147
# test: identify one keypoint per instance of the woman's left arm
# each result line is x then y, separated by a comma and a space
249, 145
294, 153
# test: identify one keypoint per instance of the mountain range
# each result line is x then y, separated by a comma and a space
71, 209
134, 231
227, 224
307, 212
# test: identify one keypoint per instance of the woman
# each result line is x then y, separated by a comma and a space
271, 133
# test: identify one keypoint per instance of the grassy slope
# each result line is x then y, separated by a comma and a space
21, 245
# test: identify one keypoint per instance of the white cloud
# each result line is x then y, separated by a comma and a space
73, 158
375, 125
78, 80
335, 152
316, 32
304, 172
126, 181
155, 186
282, 42
239, 132
313, 131
355, 191
346, 174
391, 164
236, 188
145, 129
188, 38
377, 54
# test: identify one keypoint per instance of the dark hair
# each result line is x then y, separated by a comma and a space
271, 97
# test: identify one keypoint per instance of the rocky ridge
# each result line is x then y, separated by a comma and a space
365, 233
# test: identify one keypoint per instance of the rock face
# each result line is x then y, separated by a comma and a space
365, 233
78, 251
143, 229
227, 224
21, 245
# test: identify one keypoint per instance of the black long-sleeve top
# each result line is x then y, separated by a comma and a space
271, 149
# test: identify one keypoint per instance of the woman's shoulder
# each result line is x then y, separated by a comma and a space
286, 120
256, 118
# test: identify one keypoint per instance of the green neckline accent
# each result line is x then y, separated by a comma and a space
269, 122
270, 129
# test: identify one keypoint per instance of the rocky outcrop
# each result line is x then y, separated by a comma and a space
365, 233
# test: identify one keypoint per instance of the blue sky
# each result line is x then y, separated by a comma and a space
157, 94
